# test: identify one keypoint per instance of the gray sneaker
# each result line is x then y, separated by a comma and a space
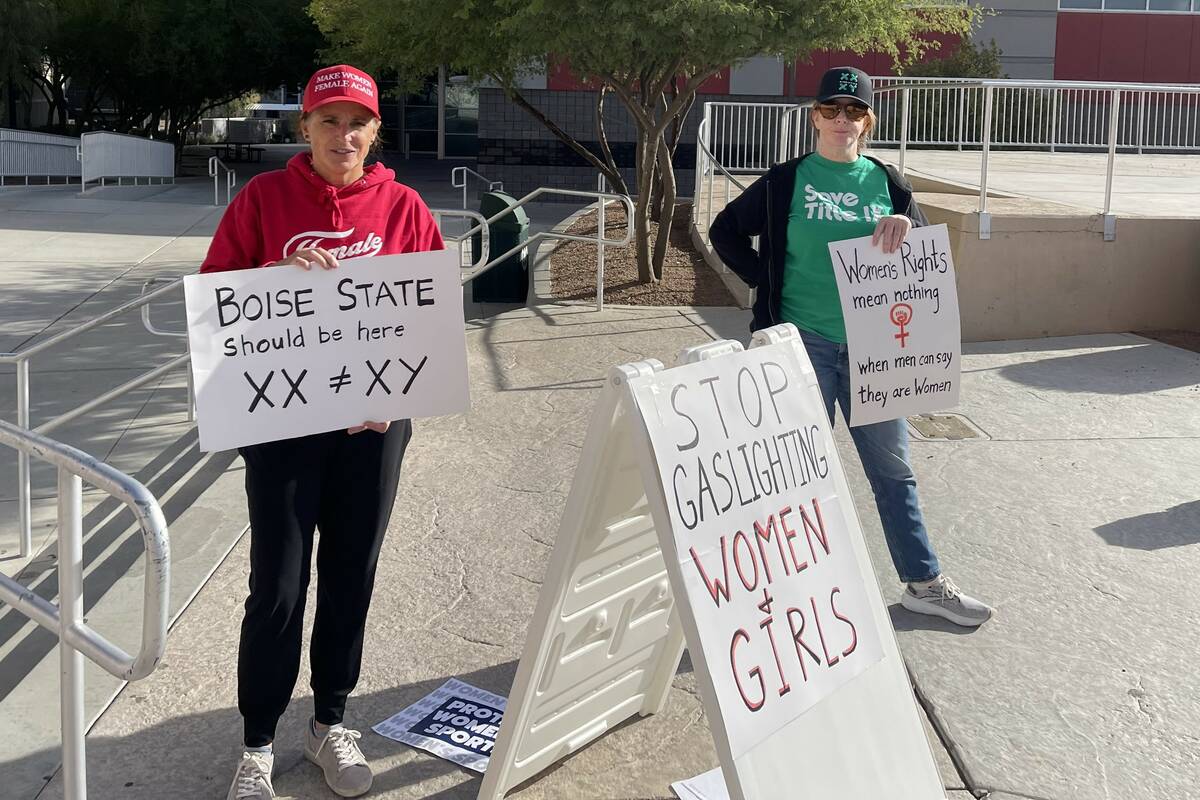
942, 598
252, 781
345, 767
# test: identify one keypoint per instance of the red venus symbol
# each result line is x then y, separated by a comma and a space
901, 315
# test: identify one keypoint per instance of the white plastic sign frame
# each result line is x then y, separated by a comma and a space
864, 738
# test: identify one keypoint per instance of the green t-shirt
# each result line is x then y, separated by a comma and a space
832, 201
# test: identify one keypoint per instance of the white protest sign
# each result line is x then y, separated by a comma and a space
728, 456
742, 449
456, 721
281, 352
902, 325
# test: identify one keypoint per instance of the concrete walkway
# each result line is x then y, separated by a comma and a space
1075, 513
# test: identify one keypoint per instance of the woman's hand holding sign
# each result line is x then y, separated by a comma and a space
307, 257
890, 232
378, 427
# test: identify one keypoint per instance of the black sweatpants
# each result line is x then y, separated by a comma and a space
345, 486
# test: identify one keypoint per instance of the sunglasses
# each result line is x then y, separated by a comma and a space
854, 111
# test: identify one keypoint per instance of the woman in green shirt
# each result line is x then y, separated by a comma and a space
796, 210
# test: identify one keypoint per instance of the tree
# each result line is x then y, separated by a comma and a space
967, 60
651, 56
148, 65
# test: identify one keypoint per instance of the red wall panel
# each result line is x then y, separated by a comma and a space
1127, 47
1123, 47
1077, 47
1168, 54
1194, 72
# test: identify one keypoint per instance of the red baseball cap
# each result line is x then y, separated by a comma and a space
343, 82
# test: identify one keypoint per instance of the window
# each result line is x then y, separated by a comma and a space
1167, 6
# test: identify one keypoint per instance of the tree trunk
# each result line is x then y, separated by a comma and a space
667, 211
641, 212
616, 181
566, 138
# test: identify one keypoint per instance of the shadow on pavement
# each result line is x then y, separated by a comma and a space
905, 620
194, 755
104, 526
1121, 371
1178, 526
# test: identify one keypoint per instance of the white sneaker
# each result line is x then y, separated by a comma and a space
252, 781
941, 598
337, 754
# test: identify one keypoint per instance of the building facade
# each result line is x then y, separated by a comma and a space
1153, 41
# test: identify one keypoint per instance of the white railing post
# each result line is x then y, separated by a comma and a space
904, 113
1110, 219
1054, 95
600, 187
985, 219
961, 91
24, 503
1141, 120
70, 604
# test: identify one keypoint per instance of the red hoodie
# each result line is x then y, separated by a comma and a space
280, 212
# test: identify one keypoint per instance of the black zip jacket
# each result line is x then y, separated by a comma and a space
762, 211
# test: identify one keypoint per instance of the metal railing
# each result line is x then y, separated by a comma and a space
28, 154
746, 138
75, 638
22, 359
601, 198
215, 168
107, 155
458, 180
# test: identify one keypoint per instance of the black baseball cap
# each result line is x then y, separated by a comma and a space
848, 82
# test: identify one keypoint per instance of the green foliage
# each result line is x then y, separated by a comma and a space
652, 55
969, 60
621, 39
146, 61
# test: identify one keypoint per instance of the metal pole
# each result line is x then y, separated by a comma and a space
1110, 220
441, 96
1141, 119
24, 515
600, 254
904, 112
70, 602
1053, 118
961, 93
985, 220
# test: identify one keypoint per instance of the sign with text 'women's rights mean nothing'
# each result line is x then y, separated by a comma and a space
902, 325
282, 352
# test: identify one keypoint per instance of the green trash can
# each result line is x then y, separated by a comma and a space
508, 281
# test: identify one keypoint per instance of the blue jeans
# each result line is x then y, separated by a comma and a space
883, 449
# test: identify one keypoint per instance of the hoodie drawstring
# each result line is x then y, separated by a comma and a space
329, 197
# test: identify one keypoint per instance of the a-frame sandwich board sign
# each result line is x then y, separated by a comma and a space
740, 487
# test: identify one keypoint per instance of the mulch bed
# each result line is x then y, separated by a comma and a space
1188, 340
687, 279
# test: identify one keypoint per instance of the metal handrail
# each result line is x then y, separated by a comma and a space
230, 179
485, 244
1104, 99
21, 359
458, 180
76, 637
601, 242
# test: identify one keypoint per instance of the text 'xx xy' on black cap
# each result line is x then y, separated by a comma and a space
848, 82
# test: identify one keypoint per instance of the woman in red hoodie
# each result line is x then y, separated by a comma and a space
327, 204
